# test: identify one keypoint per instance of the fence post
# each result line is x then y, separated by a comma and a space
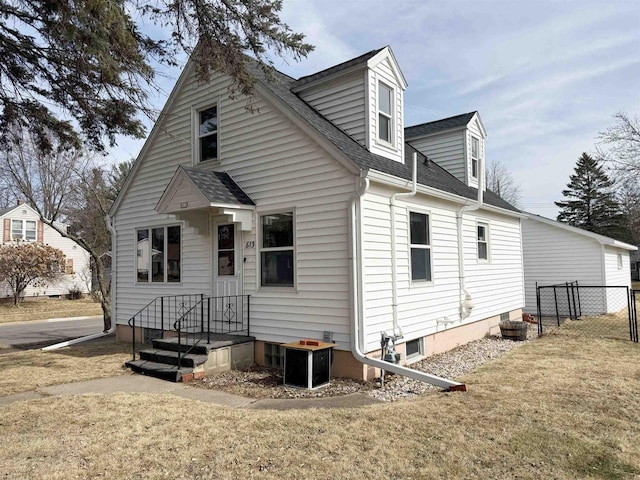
539, 309
579, 303
162, 315
566, 284
555, 298
201, 314
208, 319
248, 313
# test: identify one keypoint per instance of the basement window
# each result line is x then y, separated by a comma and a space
413, 348
273, 355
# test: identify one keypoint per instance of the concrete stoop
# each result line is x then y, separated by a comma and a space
223, 352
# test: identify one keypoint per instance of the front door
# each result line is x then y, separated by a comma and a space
227, 259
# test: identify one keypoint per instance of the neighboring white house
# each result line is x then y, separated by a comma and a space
556, 253
22, 223
297, 205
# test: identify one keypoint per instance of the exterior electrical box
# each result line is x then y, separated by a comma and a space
308, 364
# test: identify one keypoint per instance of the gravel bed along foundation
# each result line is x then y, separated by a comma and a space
261, 382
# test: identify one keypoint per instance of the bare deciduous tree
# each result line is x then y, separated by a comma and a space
61, 185
500, 181
620, 146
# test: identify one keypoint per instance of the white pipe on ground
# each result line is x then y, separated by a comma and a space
112, 329
357, 280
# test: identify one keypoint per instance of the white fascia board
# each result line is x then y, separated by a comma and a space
483, 130
601, 239
394, 181
308, 129
157, 127
386, 52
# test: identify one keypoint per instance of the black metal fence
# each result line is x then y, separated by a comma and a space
605, 311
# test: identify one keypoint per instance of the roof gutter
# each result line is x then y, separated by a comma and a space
356, 297
93, 336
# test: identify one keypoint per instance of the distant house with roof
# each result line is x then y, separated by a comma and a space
556, 253
322, 212
23, 224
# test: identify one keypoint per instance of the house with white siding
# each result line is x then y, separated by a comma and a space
323, 211
556, 253
23, 224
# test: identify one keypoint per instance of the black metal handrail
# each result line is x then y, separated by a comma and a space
211, 315
158, 316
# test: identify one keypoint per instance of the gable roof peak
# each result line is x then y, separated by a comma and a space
449, 123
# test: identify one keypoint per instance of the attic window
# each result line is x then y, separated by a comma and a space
208, 134
385, 104
475, 156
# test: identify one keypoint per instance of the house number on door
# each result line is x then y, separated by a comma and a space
249, 245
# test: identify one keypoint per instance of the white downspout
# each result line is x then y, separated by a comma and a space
397, 331
356, 297
93, 336
466, 302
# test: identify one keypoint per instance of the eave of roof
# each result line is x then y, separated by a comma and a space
602, 239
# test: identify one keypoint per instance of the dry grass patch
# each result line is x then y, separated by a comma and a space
27, 370
48, 308
562, 407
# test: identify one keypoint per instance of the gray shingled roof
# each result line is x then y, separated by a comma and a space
361, 60
218, 187
431, 175
438, 125
6, 210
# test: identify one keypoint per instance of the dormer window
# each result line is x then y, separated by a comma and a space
208, 134
385, 107
475, 156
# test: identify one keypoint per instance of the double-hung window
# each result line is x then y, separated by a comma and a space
420, 247
158, 254
475, 156
385, 107
208, 134
23, 230
277, 250
483, 241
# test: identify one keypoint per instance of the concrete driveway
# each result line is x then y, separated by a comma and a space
52, 330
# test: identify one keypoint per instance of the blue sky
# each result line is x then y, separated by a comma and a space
546, 76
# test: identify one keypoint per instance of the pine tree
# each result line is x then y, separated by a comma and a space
591, 203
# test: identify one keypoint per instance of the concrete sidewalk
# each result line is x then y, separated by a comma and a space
144, 384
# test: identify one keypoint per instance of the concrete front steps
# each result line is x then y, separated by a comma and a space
223, 352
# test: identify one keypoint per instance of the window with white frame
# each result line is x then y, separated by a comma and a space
277, 250
208, 134
619, 261
273, 355
413, 348
158, 254
475, 156
483, 241
420, 247
385, 107
23, 230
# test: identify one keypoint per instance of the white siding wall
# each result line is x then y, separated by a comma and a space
553, 255
614, 276
496, 287
281, 169
80, 279
384, 73
343, 102
446, 149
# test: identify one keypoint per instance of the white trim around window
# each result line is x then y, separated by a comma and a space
276, 251
385, 117
158, 257
205, 121
483, 242
24, 230
475, 156
420, 247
